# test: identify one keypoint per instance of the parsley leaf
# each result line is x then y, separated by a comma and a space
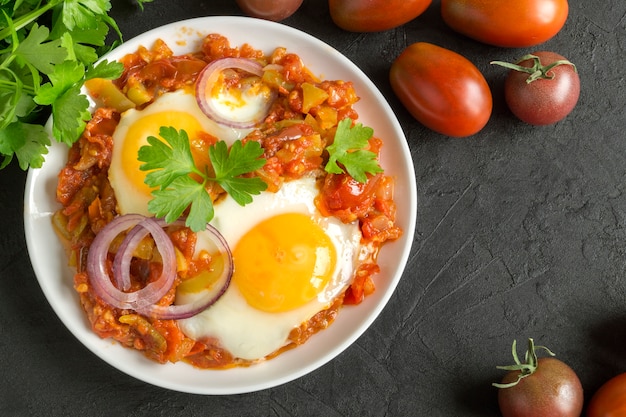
80, 42
83, 14
28, 142
183, 192
70, 115
167, 163
229, 166
348, 149
35, 50
64, 77
105, 69
170, 161
69, 106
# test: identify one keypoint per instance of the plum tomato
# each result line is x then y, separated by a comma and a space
275, 10
442, 89
375, 15
610, 399
545, 387
513, 23
541, 88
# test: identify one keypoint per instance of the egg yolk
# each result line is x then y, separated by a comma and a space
283, 262
137, 136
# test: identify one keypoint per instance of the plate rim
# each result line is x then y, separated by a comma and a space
30, 218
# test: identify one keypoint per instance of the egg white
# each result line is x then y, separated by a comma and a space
247, 332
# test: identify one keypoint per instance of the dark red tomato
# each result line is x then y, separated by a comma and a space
553, 390
275, 10
375, 15
610, 399
540, 387
547, 99
509, 23
442, 89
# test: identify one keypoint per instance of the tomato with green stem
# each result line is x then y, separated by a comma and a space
610, 399
512, 23
541, 88
442, 89
545, 387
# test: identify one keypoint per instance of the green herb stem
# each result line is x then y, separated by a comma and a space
11, 86
27, 19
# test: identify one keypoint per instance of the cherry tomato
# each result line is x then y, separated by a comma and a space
545, 387
375, 15
541, 88
442, 89
509, 23
274, 10
610, 399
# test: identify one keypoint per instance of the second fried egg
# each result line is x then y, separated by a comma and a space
290, 263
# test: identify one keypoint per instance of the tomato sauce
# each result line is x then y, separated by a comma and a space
294, 146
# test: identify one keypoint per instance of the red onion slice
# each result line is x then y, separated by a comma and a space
97, 263
124, 255
210, 75
97, 259
144, 300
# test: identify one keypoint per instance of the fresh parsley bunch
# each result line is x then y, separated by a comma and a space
48, 49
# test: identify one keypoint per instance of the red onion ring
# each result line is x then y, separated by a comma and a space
144, 300
207, 78
97, 263
124, 255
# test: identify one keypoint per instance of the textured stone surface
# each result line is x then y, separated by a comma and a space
521, 233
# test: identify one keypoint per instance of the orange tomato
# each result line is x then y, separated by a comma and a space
610, 399
375, 15
509, 23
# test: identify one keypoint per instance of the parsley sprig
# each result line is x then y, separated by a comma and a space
349, 150
42, 70
170, 164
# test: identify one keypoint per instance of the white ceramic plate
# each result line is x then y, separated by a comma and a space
49, 260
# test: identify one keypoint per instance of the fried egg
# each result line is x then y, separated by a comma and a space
178, 109
290, 263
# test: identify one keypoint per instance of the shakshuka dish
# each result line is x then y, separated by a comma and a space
222, 206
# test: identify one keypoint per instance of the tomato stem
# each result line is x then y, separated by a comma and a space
537, 70
525, 369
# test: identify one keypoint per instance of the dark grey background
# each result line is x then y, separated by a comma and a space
520, 233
